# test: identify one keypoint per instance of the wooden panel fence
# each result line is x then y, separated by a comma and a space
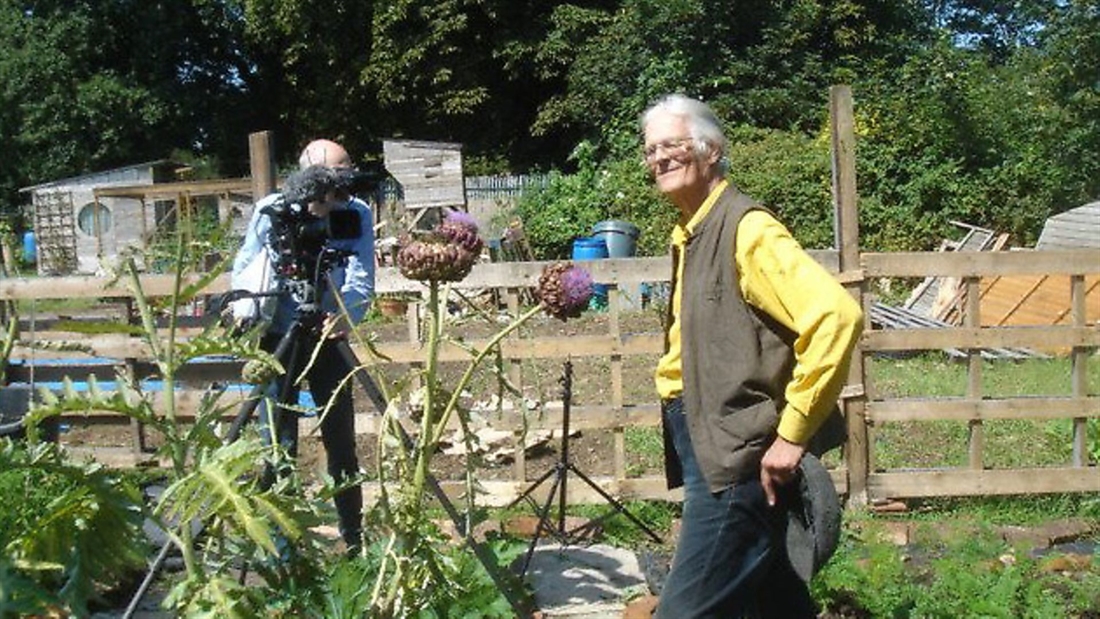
614, 348
1080, 335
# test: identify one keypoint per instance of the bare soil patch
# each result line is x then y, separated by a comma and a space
590, 450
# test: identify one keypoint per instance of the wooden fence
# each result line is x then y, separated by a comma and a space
856, 474
1080, 335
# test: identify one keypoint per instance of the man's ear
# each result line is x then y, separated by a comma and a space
713, 156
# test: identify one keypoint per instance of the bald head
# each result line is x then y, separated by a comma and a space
325, 153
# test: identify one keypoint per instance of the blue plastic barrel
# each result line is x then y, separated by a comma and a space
30, 247
621, 237
589, 248
592, 248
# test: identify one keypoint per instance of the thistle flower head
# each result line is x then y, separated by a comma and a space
257, 372
564, 290
445, 254
460, 228
461, 218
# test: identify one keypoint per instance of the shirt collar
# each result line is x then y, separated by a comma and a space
705, 207
683, 229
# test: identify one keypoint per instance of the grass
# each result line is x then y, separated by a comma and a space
1008, 443
74, 305
646, 447
959, 563
936, 375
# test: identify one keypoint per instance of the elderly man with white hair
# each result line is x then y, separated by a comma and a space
758, 343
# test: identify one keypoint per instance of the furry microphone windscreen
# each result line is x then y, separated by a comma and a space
311, 184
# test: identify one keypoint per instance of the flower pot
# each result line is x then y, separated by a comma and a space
393, 308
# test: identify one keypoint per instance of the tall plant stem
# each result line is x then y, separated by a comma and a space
427, 436
165, 358
468, 375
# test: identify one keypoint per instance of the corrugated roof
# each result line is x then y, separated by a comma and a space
886, 316
1077, 228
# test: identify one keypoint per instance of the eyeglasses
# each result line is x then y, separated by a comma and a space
675, 147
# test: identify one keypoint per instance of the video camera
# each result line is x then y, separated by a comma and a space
298, 237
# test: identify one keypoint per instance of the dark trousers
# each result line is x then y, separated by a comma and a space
337, 427
731, 560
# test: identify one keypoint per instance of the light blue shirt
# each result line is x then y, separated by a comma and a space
354, 280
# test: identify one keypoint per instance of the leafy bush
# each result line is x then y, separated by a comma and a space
469, 591
76, 529
571, 204
789, 173
969, 572
92, 531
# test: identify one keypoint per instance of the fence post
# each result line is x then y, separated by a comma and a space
846, 231
1079, 380
261, 157
973, 318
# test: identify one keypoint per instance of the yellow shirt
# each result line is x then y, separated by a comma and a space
777, 277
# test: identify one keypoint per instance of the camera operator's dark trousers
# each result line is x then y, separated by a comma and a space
337, 428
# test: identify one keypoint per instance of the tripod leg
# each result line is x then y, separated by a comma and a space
483, 555
534, 485
619, 507
142, 589
542, 523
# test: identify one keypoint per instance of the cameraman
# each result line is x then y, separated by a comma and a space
354, 280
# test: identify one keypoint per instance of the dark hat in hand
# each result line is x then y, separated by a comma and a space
813, 522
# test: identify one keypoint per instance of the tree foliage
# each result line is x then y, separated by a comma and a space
968, 109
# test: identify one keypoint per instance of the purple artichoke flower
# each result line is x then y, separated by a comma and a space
564, 290
460, 228
444, 254
434, 257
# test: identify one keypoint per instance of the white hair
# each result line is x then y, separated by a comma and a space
704, 126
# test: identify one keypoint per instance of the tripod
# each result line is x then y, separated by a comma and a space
560, 473
290, 351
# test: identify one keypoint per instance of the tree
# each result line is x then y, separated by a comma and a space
994, 28
89, 85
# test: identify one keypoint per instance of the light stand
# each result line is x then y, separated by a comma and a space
560, 473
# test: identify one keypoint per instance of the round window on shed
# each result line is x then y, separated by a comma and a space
86, 219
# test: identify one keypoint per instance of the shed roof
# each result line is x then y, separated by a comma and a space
82, 178
1077, 228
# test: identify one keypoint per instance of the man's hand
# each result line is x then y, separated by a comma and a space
779, 466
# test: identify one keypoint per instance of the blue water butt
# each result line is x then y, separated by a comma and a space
592, 248
589, 248
30, 247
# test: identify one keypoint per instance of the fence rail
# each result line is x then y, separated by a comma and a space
866, 409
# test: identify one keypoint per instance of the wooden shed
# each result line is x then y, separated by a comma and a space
1033, 300
75, 232
1019, 300
429, 173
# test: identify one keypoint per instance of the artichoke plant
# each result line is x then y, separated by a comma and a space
447, 253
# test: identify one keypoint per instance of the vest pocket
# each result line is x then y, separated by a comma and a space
750, 425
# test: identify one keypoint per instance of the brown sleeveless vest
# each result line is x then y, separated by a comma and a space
736, 360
